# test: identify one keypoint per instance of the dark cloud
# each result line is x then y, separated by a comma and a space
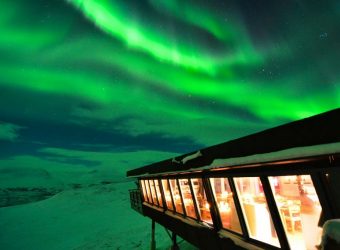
38, 135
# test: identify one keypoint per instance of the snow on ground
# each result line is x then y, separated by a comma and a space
91, 217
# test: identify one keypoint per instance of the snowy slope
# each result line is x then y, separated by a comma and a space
92, 217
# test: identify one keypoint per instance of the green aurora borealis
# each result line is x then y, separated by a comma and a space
119, 84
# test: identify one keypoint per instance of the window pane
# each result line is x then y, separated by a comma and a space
255, 210
187, 198
167, 194
176, 196
201, 200
299, 209
144, 191
225, 203
159, 196
153, 192
148, 191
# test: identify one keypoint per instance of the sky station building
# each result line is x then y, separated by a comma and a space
269, 190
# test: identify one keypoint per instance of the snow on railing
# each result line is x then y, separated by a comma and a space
330, 235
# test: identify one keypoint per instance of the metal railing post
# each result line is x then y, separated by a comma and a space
174, 242
153, 240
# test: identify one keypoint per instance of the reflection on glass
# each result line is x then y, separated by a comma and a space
167, 194
187, 198
255, 209
225, 203
153, 192
148, 191
176, 196
158, 191
144, 191
201, 200
299, 208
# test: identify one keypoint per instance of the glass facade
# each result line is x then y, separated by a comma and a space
224, 199
299, 208
201, 200
176, 196
148, 191
294, 195
153, 192
255, 210
145, 197
167, 194
187, 198
159, 194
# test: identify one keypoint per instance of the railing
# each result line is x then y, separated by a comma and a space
136, 200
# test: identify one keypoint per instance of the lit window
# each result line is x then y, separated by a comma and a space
187, 198
148, 191
167, 194
144, 191
255, 210
225, 203
159, 195
153, 192
299, 208
176, 196
201, 200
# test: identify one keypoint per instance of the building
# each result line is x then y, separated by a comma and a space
269, 190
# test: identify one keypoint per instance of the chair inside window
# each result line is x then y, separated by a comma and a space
291, 215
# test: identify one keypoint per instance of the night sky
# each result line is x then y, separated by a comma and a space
104, 86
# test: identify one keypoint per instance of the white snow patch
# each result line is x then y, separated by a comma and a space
191, 157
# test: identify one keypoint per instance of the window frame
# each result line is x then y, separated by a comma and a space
237, 206
148, 190
318, 172
316, 168
192, 197
152, 185
159, 194
143, 189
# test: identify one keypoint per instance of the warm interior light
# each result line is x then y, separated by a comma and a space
187, 201
224, 207
248, 197
207, 205
167, 197
224, 194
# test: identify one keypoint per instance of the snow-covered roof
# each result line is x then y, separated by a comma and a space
314, 136
287, 154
